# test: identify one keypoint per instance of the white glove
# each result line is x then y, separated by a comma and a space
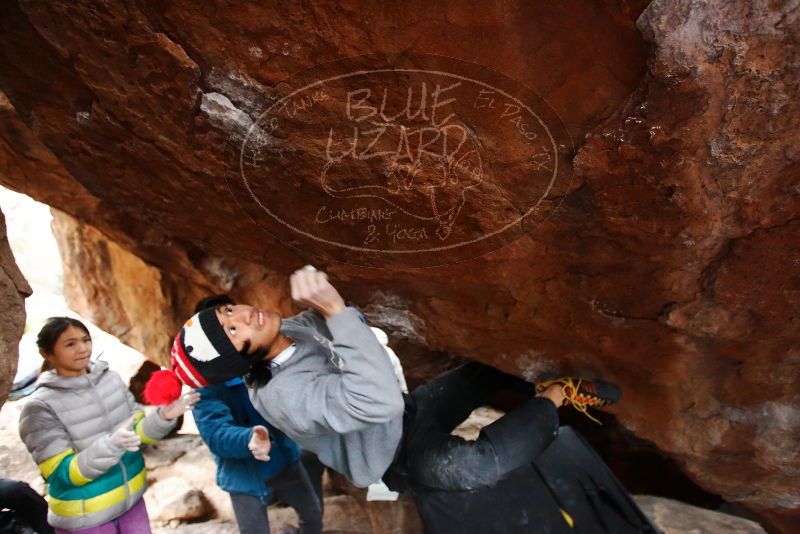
176, 408
125, 438
260, 443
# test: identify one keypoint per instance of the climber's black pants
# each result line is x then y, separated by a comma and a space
430, 459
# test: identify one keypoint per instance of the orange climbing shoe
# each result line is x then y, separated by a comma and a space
583, 394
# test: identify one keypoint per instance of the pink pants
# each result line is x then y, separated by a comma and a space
134, 521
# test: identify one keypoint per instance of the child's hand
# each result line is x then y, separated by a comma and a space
176, 408
260, 443
311, 288
125, 438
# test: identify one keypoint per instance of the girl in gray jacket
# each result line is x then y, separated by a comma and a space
84, 429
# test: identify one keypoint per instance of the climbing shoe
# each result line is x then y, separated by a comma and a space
583, 394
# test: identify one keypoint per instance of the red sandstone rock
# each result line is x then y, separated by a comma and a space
668, 260
118, 291
673, 517
13, 291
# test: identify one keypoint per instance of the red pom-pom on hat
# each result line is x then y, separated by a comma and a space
162, 388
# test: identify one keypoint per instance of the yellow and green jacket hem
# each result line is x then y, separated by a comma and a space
79, 502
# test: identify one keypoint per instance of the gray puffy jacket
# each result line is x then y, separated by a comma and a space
66, 425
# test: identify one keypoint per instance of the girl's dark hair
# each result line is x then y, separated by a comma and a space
52, 330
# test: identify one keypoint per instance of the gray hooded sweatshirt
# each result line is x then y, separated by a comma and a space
337, 396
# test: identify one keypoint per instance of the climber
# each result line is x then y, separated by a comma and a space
255, 462
323, 378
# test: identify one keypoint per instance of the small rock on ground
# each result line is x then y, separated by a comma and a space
674, 517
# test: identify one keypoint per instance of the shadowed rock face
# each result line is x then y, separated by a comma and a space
666, 258
13, 291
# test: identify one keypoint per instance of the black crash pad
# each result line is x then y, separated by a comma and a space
568, 475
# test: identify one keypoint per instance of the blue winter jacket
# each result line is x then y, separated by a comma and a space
225, 418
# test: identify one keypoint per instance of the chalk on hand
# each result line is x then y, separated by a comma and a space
310, 268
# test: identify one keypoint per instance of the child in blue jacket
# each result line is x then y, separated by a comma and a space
236, 435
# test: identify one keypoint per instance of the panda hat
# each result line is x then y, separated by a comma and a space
201, 355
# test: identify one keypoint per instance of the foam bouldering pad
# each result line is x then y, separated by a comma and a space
569, 475
587, 490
